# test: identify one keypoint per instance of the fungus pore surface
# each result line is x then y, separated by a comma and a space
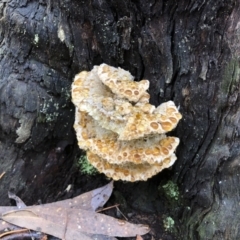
123, 134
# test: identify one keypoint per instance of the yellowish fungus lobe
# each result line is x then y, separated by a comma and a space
123, 134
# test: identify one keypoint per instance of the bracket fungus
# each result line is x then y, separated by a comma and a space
124, 136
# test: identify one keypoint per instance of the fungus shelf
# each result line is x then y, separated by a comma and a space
123, 134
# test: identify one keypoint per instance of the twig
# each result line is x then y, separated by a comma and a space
122, 214
2, 175
13, 232
116, 206
103, 209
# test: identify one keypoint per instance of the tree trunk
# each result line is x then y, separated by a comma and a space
188, 50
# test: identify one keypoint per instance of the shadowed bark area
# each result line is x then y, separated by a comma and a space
189, 50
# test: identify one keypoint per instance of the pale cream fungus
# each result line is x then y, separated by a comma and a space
123, 134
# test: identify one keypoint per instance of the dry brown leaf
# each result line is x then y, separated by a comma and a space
91, 200
18, 200
28, 219
69, 220
62, 219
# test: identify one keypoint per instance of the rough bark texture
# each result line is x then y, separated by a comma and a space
189, 50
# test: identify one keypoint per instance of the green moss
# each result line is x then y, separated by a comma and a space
85, 166
168, 224
230, 77
49, 111
36, 39
171, 190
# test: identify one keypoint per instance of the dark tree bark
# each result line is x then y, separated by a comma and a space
189, 50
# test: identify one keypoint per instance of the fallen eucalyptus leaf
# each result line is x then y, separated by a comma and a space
72, 218
91, 200
18, 200
28, 219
